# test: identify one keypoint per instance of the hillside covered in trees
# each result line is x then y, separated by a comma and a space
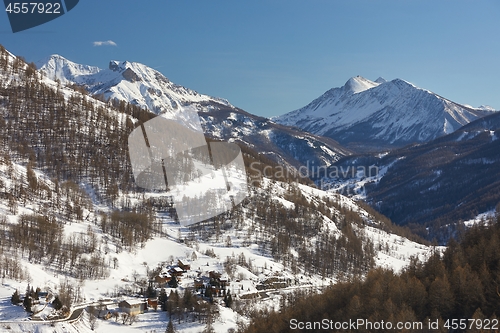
461, 283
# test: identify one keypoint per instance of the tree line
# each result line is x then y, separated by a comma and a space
74, 140
461, 283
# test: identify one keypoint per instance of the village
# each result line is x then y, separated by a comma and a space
202, 288
184, 294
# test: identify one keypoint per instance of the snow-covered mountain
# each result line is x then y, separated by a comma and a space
129, 81
375, 114
141, 85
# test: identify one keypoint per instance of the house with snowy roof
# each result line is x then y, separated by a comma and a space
184, 264
133, 307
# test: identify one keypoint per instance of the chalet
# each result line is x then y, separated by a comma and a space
224, 281
201, 282
184, 264
198, 283
261, 286
133, 307
176, 271
217, 291
163, 278
274, 283
153, 303
218, 279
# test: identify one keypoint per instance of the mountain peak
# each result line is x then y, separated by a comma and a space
115, 66
401, 82
381, 80
129, 81
52, 60
368, 115
358, 84
57, 67
57, 57
486, 108
125, 69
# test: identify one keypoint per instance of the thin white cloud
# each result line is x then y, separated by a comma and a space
105, 43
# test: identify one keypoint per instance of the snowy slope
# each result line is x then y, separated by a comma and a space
383, 113
392, 252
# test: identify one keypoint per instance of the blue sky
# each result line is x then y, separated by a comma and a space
270, 57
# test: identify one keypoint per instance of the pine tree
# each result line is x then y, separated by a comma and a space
170, 327
209, 327
441, 296
15, 299
33, 294
187, 298
228, 300
27, 303
163, 300
56, 303
208, 292
173, 283
151, 292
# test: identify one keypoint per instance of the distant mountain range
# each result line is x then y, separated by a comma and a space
435, 185
436, 169
376, 115
143, 86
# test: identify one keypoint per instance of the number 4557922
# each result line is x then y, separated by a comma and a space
462, 324
33, 7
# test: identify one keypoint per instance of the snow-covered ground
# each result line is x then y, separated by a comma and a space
480, 218
354, 187
392, 251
